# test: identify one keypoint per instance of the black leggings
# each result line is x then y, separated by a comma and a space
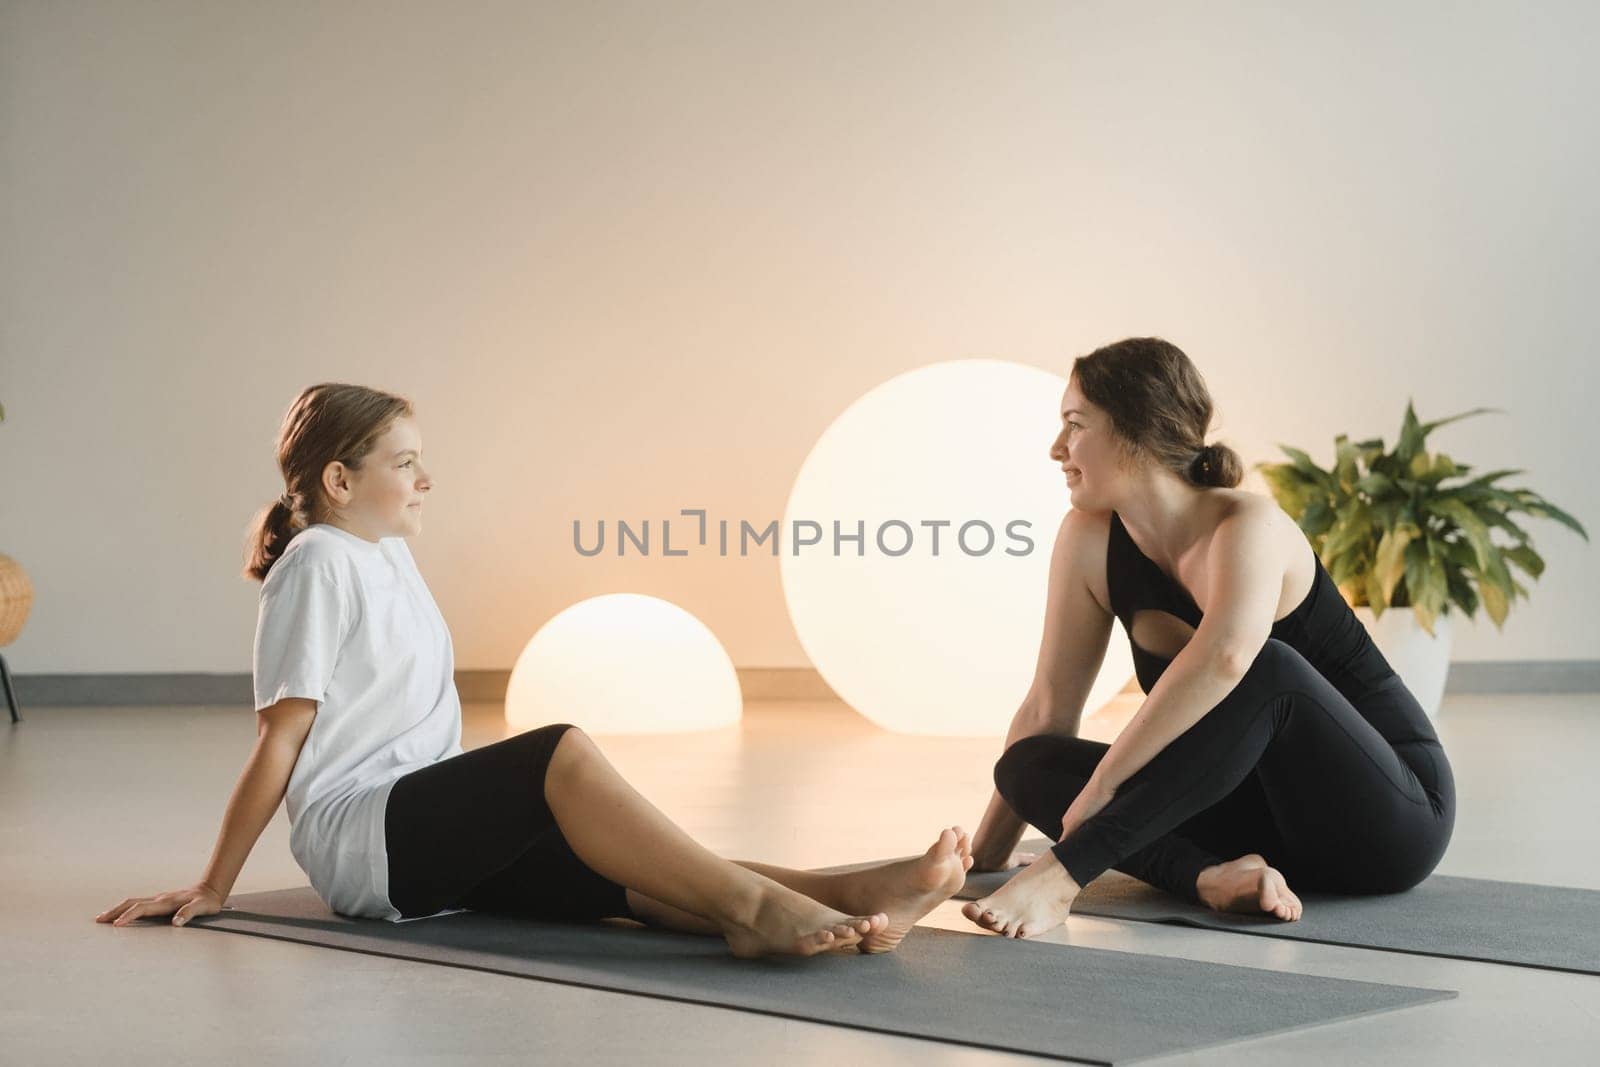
1337, 798
474, 831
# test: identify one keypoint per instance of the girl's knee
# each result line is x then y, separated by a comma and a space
570, 745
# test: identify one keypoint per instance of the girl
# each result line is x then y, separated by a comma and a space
1272, 726
359, 724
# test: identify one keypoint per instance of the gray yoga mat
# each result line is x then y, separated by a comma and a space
1080, 1004
1554, 928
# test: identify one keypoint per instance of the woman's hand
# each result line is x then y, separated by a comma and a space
198, 899
1095, 796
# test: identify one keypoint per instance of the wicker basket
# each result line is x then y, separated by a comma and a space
16, 597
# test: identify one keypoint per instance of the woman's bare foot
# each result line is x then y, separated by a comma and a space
1248, 885
908, 889
788, 923
1035, 900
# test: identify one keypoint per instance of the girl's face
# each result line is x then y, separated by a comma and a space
385, 495
1086, 450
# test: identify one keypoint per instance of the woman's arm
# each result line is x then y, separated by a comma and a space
1072, 648
1001, 827
1246, 562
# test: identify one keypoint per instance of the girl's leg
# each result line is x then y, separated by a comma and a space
905, 890
489, 829
619, 834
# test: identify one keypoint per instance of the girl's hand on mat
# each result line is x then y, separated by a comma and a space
181, 904
1088, 803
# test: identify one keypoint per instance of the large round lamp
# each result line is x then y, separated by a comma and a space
920, 640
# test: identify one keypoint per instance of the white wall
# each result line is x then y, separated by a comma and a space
633, 258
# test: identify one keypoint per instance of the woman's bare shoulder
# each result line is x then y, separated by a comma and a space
1090, 530
1299, 568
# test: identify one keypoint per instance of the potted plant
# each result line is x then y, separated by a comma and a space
1393, 534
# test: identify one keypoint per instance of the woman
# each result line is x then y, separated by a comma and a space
359, 725
1273, 730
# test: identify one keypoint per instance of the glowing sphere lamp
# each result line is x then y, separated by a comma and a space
624, 663
925, 636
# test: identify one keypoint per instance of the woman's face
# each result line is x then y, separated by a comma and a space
386, 493
1085, 448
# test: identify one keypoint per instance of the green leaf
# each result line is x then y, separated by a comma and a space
1344, 466
1411, 436
1376, 484
1303, 464
1476, 531
1353, 527
1495, 599
1526, 558
1492, 476
1540, 508
1377, 596
1432, 426
1462, 594
1317, 518
1389, 564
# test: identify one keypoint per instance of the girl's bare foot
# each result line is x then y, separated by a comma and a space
906, 890
1248, 885
788, 923
1035, 900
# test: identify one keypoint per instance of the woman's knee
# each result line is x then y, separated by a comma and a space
1022, 761
1275, 651
1278, 660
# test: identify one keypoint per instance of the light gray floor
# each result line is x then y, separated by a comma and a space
101, 803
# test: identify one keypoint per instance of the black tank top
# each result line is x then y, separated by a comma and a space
1322, 628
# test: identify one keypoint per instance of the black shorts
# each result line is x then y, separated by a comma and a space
474, 831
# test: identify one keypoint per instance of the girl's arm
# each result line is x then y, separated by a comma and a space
281, 731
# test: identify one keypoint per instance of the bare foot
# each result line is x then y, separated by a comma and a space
1248, 885
789, 923
908, 889
1033, 901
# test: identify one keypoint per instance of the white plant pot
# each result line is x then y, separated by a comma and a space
1421, 661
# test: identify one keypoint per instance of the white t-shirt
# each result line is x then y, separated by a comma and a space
350, 623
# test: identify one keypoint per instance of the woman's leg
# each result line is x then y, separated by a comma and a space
1040, 776
1351, 806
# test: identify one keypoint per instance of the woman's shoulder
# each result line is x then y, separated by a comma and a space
1256, 509
1263, 513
